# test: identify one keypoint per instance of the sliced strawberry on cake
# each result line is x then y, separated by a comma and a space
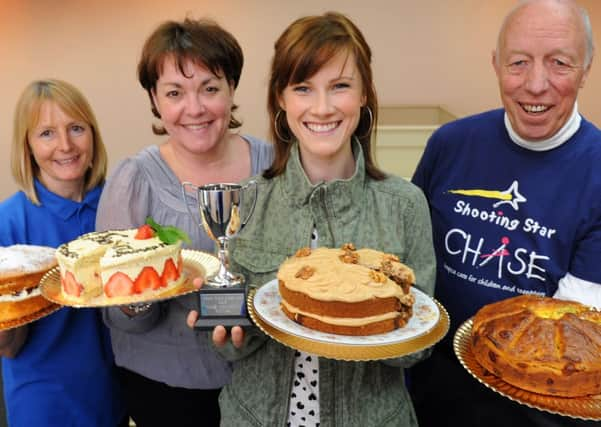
119, 285
170, 273
147, 279
70, 285
144, 232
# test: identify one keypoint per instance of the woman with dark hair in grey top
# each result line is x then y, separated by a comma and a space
190, 70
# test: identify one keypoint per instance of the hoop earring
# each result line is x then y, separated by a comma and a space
371, 123
276, 126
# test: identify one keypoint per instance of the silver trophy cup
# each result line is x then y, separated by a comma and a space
219, 208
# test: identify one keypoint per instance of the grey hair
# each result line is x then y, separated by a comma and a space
586, 23
588, 31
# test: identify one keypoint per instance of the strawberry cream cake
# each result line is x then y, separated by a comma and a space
21, 268
119, 265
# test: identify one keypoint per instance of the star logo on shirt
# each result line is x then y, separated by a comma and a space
510, 196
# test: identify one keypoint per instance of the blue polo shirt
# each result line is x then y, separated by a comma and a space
506, 220
63, 376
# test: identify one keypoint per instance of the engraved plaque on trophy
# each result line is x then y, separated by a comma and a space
222, 297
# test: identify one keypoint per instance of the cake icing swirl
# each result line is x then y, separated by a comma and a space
339, 281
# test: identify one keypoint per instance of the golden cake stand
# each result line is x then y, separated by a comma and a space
585, 408
196, 264
362, 348
28, 318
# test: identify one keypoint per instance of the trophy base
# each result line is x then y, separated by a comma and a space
222, 306
208, 323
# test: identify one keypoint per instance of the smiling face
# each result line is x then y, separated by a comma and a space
195, 108
323, 111
540, 64
62, 147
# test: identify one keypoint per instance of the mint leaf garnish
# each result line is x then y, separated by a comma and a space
152, 223
168, 234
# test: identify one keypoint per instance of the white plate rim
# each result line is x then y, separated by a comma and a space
266, 306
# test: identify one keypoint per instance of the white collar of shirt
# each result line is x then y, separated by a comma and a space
564, 134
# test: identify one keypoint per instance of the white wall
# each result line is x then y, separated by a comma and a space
425, 52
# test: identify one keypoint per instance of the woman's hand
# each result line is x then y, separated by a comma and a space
220, 334
12, 340
236, 335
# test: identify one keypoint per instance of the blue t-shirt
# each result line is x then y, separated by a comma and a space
63, 375
508, 220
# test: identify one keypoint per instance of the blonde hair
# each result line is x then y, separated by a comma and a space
27, 113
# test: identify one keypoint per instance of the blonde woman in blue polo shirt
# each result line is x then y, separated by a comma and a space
57, 371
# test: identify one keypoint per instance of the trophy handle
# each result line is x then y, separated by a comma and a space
252, 208
185, 196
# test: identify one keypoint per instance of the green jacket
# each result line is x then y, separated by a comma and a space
389, 215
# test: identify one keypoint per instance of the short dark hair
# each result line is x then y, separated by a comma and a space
203, 42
